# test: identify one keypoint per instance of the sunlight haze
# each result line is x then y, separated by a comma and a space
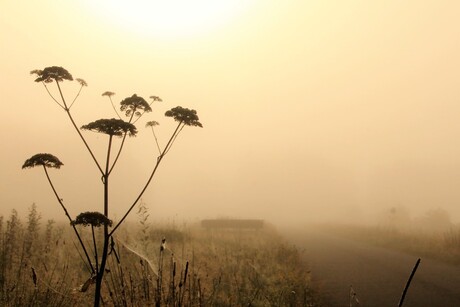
312, 110
166, 19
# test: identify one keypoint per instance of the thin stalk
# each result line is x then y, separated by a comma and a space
76, 96
408, 283
52, 97
106, 177
150, 105
113, 106
160, 275
173, 282
100, 274
95, 248
139, 117
121, 147
184, 284
156, 140
78, 130
118, 154
70, 219
159, 159
81, 257
175, 137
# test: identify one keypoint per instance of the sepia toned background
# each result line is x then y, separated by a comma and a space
312, 110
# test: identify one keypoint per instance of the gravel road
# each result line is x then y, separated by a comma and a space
377, 275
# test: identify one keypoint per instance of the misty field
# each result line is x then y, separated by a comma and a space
41, 264
442, 245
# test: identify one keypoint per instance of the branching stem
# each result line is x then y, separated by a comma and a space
113, 106
175, 136
52, 97
78, 130
59, 199
156, 140
95, 249
100, 272
159, 159
120, 149
76, 96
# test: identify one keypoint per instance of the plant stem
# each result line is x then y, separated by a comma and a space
70, 220
121, 146
100, 274
408, 283
159, 159
78, 130
184, 284
156, 140
95, 248
52, 97
113, 106
160, 275
76, 96
174, 139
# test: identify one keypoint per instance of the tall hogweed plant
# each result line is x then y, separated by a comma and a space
131, 109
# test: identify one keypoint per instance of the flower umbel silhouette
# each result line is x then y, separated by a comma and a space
43, 159
183, 115
53, 73
95, 219
113, 126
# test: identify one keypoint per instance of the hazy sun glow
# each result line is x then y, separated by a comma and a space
168, 18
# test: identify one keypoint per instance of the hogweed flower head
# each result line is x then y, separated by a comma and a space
95, 219
81, 81
108, 93
152, 123
111, 126
52, 73
156, 98
43, 159
134, 104
183, 115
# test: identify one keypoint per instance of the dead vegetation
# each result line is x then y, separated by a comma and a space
150, 265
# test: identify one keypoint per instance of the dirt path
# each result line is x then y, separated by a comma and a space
377, 275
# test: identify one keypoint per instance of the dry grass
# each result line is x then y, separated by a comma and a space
224, 268
439, 245
40, 266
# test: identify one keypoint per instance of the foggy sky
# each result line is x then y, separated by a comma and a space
311, 110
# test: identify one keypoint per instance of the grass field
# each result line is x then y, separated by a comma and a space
150, 264
440, 245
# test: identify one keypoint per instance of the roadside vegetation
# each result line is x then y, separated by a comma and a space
131, 110
115, 263
149, 264
432, 235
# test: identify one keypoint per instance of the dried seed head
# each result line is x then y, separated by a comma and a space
50, 74
110, 94
134, 104
95, 219
113, 126
184, 115
43, 159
